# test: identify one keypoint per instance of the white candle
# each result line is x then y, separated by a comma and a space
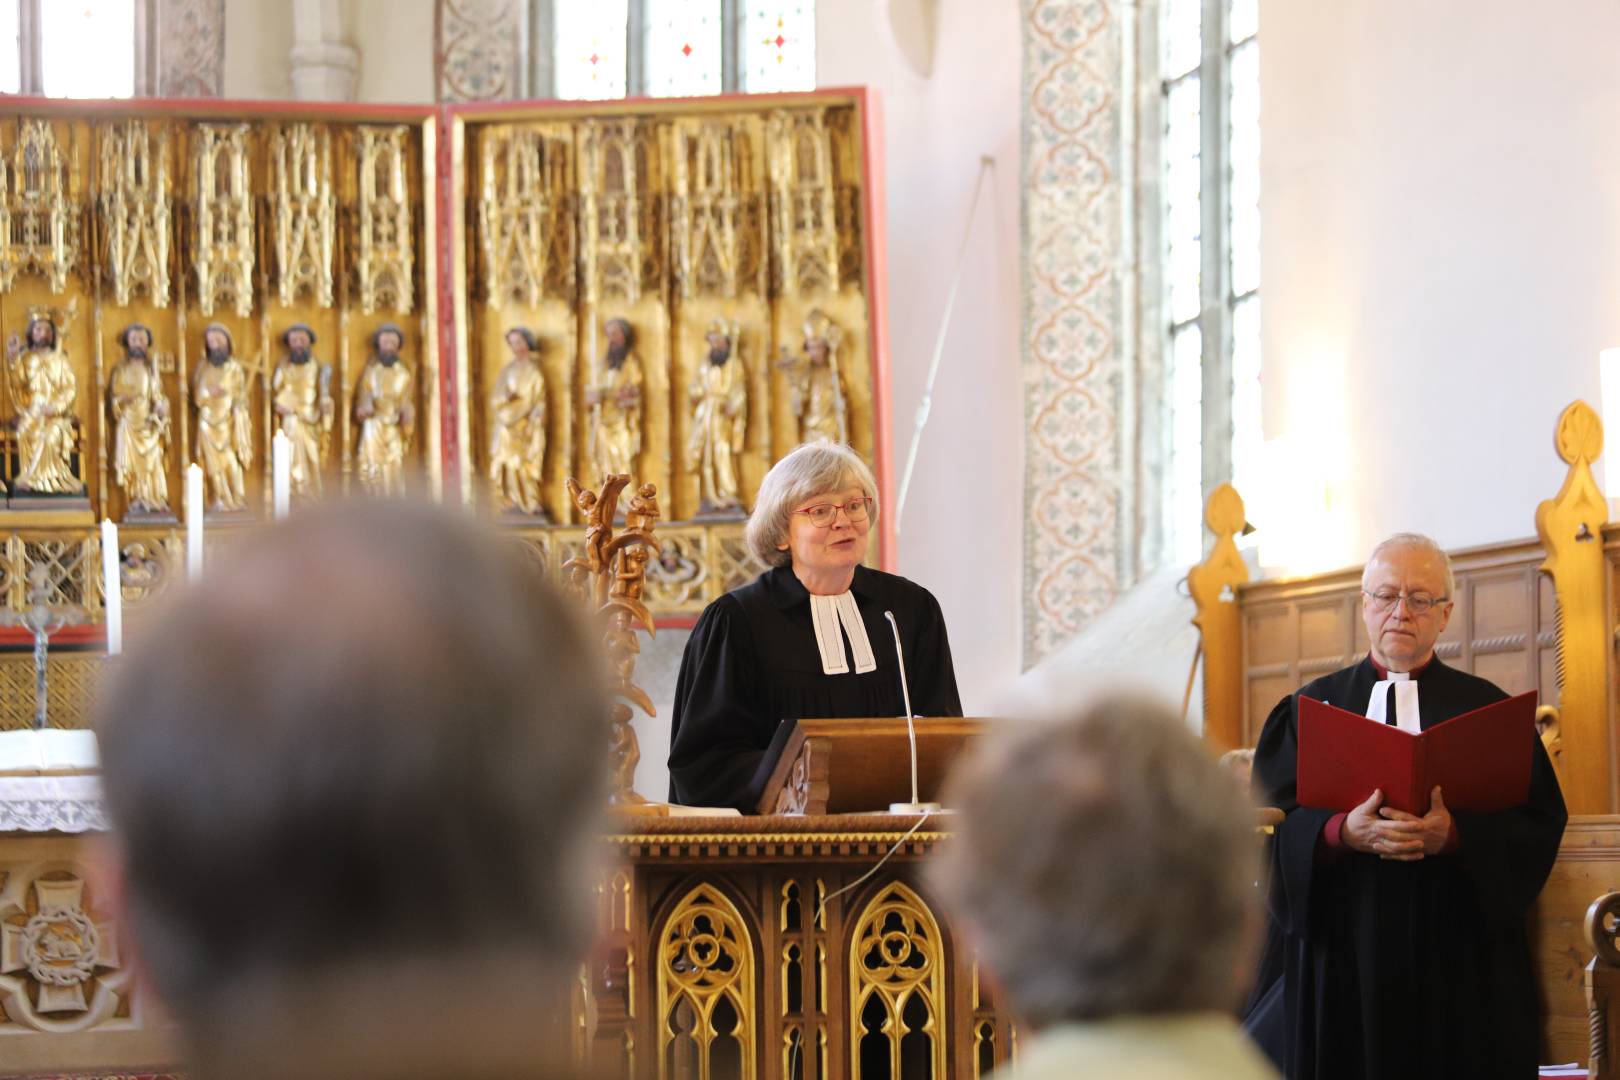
112, 588
281, 473
194, 521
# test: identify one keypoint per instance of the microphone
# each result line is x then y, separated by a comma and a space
914, 806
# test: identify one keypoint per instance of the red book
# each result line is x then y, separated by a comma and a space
1480, 760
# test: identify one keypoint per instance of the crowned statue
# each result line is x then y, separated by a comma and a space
43, 391
817, 383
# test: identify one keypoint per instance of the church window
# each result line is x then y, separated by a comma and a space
82, 49
671, 48
1208, 117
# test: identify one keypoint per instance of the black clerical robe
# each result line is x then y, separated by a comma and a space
1407, 969
752, 662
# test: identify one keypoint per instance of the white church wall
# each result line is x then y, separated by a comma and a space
1439, 214
962, 531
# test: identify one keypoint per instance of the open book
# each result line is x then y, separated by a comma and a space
1480, 760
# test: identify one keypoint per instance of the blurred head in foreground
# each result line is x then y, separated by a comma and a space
1104, 864
359, 763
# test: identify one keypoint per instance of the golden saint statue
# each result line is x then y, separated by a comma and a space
817, 384
140, 414
615, 405
43, 389
517, 427
383, 405
719, 422
301, 390
224, 421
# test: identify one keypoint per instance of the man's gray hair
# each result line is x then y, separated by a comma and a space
809, 470
1104, 865
1413, 540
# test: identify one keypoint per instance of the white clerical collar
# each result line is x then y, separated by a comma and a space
1406, 701
828, 612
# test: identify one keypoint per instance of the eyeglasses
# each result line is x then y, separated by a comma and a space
822, 515
1416, 603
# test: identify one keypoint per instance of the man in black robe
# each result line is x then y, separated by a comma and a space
1401, 939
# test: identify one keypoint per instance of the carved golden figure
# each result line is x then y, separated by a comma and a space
817, 382
387, 414
517, 427
615, 404
43, 388
140, 414
302, 399
719, 422
224, 422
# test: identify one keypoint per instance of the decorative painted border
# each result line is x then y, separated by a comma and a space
191, 48
1072, 250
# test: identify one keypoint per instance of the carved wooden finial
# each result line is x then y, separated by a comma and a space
1213, 584
1570, 526
1579, 436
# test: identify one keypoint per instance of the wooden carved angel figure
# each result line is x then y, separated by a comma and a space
817, 383
643, 514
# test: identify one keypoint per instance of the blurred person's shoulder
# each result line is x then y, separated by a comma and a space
1205, 1046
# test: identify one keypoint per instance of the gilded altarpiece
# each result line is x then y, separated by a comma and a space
695, 276
131, 230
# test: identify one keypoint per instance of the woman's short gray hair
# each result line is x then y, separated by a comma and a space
1104, 864
805, 472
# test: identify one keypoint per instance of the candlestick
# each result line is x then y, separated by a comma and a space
112, 588
194, 521
281, 474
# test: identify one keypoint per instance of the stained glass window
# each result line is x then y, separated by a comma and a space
1210, 228
779, 46
10, 48
683, 54
87, 48
590, 49
674, 48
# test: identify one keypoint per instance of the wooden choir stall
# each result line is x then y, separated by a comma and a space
1533, 614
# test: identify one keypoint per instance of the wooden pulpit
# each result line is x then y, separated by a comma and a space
861, 766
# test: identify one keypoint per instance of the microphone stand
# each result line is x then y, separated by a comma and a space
914, 806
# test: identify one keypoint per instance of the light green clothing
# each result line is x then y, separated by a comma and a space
1181, 1047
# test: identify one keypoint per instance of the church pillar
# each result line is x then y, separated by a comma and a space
191, 48
1074, 254
323, 66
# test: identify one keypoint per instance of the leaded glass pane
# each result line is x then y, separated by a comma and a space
1245, 158
1186, 443
589, 49
683, 55
87, 48
1242, 20
778, 46
1180, 34
10, 49
1182, 176
1247, 432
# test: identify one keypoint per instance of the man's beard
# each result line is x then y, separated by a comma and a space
299, 356
719, 354
217, 357
616, 354
136, 352
388, 359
